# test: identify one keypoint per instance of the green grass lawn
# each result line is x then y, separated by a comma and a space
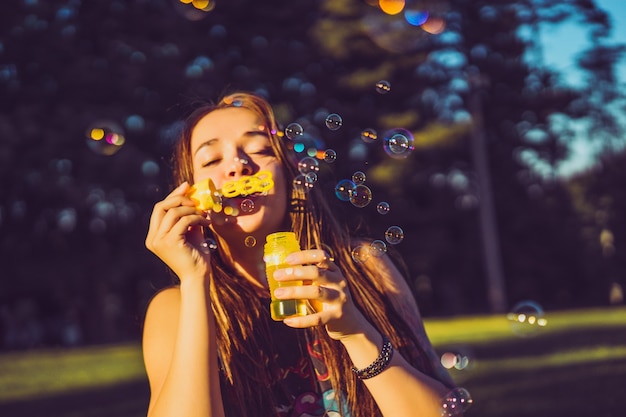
575, 366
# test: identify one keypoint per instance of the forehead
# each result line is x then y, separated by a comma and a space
226, 124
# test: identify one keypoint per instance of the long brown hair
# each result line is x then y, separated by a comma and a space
236, 305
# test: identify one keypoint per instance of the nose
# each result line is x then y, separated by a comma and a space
240, 166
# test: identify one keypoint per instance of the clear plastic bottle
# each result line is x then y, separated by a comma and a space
277, 246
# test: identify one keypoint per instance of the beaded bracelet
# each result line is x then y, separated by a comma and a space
380, 363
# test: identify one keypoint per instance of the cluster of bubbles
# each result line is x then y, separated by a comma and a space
456, 402
398, 143
361, 253
308, 168
526, 318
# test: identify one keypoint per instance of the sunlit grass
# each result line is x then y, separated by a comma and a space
48, 372
574, 366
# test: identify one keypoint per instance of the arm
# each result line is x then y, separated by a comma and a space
402, 298
180, 354
401, 390
179, 342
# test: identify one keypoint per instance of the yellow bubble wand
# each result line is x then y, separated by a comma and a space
207, 197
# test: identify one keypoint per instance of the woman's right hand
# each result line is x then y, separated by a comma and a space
175, 234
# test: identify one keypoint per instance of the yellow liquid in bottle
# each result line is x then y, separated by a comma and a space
278, 246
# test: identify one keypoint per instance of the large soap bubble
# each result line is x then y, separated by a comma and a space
398, 143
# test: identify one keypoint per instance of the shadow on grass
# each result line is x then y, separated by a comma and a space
574, 373
129, 399
579, 373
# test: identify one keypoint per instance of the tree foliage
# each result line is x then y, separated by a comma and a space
73, 220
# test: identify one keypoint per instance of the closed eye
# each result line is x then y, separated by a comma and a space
264, 151
209, 163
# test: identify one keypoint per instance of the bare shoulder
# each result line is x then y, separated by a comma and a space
162, 313
165, 299
159, 330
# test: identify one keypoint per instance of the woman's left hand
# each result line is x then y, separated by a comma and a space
325, 288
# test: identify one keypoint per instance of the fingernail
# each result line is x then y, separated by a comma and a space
279, 292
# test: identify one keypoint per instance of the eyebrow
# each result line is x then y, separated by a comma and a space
205, 143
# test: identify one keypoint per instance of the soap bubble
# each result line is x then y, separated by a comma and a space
311, 177
330, 156
361, 196
344, 189
208, 246
360, 254
307, 165
398, 143
383, 87
294, 130
394, 235
250, 241
334, 121
378, 248
358, 177
456, 402
526, 318
369, 135
247, 205
303, 183
383, 208
105, 137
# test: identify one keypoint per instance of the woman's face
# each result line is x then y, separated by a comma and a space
227, 144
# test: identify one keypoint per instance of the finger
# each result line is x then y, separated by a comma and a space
317, 257
310, 320
174, 199
173, 217
176, 224
318, 293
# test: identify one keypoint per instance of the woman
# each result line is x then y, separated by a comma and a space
210, 347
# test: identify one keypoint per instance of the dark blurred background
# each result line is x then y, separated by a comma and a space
489, 218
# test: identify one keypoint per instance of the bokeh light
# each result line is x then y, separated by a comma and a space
391, 7
434, 25
416, 17
105, 137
